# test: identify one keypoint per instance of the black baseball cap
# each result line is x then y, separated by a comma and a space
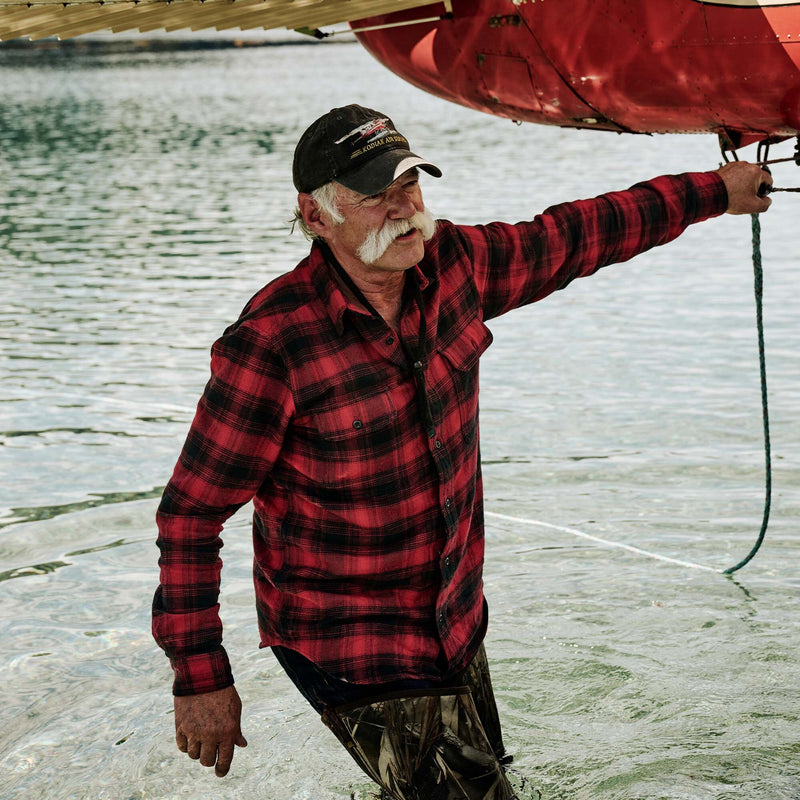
357, 147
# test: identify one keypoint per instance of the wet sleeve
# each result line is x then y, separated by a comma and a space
234, 440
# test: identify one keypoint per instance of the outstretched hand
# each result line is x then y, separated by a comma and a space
743, 181
207, 726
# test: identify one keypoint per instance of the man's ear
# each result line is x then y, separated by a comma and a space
312, 215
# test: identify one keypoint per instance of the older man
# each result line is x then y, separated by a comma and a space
344, 403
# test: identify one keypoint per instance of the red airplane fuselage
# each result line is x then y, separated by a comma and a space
641, 66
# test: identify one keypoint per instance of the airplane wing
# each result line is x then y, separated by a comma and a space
36, 19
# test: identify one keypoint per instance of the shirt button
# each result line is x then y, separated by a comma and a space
390, 341
358, 424
448, 503
447, 561
438, 444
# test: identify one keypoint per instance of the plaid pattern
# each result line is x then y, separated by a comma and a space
368, 534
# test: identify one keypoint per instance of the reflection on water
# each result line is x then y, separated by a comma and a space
144, 198
48, 512
33, 569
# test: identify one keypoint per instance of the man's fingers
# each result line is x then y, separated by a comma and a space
208, 754
194, 749
217, 755
224, 758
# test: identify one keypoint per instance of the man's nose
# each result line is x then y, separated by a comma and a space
401, 205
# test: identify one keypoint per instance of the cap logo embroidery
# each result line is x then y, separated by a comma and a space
372, 134
377, 126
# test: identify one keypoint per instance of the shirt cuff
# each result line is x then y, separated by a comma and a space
711, 193
201, 673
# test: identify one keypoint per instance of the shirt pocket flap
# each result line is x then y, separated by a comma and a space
468, 346
349, 420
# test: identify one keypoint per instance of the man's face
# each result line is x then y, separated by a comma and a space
385, 216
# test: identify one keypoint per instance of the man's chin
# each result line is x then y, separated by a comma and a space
403, 253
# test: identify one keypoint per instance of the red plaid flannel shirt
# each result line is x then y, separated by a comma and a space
368, 533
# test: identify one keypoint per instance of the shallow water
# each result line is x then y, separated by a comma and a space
145, 198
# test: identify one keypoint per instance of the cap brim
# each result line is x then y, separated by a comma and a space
383, 170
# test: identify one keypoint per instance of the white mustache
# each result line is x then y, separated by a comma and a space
377, 241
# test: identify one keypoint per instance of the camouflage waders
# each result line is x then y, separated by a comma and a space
429, 744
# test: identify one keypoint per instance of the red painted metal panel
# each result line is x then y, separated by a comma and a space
636, 65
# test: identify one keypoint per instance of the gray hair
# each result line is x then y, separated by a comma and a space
327, 199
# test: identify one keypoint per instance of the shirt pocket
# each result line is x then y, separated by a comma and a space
340, 452
462, 355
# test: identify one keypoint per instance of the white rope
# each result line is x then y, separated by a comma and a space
605, 542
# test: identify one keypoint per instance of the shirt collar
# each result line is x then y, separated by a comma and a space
331, 294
